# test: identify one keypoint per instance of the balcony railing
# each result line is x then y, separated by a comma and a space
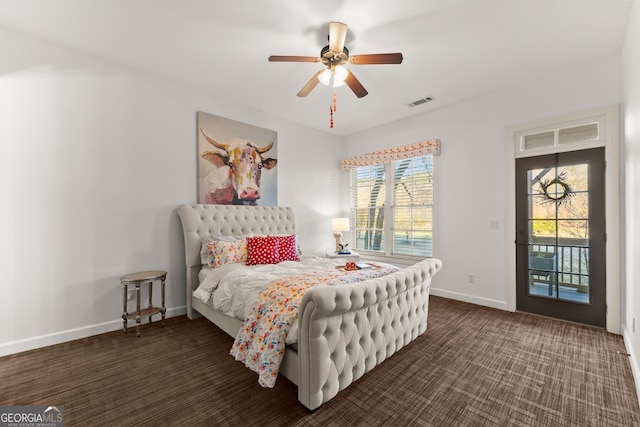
560, 271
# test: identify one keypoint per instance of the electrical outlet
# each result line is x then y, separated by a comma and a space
131, 294
471, 277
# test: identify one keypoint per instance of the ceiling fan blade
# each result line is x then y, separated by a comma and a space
355, 85
310, 85
376, 58
337, 36
285, 58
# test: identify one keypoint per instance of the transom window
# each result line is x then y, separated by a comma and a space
588, 132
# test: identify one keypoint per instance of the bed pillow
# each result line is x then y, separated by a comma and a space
228, 251
262, 250
206, 257
287, 248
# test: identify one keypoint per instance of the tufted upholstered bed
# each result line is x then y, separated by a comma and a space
343, 331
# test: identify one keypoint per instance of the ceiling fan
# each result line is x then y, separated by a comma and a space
333, 56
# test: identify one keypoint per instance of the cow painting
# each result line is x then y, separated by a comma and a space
237, 168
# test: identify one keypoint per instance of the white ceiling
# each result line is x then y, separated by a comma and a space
453, 49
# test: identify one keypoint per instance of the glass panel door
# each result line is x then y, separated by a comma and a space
560, 251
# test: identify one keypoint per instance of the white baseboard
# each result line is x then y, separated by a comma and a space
71, 334
501, 305
633, 360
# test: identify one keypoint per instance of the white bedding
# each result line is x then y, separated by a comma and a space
232, 288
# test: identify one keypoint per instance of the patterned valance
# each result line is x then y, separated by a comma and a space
431, 146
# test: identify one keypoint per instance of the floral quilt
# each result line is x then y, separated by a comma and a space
260, 343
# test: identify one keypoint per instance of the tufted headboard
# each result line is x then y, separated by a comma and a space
199, 222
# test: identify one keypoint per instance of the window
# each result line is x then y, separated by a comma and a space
571, 135
392, 207
413, 206
368, 203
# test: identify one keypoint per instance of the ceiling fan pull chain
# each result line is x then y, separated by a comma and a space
331, 117
332, 108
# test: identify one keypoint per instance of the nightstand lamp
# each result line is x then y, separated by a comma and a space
339, 225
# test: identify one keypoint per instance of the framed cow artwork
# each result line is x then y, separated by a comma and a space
236, 162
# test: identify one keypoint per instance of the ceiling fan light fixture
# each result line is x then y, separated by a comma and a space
339, 74
325, 77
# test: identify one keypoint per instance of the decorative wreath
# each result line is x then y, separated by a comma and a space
556, 197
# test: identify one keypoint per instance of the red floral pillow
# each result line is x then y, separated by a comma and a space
262, 250
287, 248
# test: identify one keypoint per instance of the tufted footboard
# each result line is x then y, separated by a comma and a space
345, 331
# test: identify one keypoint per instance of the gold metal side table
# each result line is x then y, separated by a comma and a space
137, 279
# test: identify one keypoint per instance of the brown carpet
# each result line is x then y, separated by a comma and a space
475, 366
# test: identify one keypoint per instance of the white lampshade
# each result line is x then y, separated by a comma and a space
325, 77
339, 74
340, 224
